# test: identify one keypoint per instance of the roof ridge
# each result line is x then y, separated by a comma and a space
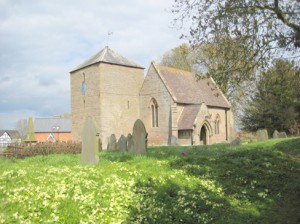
164, 81
223, 95
177, 69
107, 55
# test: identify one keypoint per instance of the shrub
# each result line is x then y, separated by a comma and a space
44, 149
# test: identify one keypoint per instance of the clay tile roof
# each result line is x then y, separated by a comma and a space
187, 117
186, 88
109, 56
52, 125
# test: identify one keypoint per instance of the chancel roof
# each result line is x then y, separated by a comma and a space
186, 88
109, 56
52, 125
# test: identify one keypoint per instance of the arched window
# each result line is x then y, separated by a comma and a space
154, 112
217, 124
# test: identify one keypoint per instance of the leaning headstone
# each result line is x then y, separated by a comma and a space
282, 135
122, 144
139, 137
90, 142
236, 142
262, 135
129, 142
112, 144
275, 134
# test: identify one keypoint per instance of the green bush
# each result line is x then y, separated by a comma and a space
44, 149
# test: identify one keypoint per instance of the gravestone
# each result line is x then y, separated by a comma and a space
275, 134
139, 137
112, 144
262, 135
282, 135
174, 140
122, 144
100, 145
236, 142
90, 142
129, 142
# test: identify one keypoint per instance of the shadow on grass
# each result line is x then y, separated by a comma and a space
289, 146
256, 178
116, 156
166, 152
170, 202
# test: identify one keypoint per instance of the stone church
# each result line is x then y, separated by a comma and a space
174, 105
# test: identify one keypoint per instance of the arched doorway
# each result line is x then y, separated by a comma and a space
203, 135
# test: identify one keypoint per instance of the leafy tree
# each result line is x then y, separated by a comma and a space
275, 104
227, 61
259, 28
22, 126
179, 57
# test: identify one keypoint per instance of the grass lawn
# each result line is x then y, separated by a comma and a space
254, 183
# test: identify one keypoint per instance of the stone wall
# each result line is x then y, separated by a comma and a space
221, 136
117, 95
207, 116
112, 99
87, 104
185, 137
119, 99
153, 87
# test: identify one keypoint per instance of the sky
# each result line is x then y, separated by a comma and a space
41, 41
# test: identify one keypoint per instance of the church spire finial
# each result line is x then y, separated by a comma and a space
108, 35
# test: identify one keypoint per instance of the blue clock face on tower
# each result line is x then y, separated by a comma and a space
83, 87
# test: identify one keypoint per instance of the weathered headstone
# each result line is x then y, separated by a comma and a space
100, 145
130, 142
275, 134
90, 142
236, 142
122, 144
282, 135
139, 137
262, 135
112, 144
174, 140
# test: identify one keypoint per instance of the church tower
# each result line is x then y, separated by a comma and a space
106, 87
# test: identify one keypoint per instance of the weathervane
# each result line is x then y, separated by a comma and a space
108, 35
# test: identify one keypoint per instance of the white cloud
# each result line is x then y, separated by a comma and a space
41, 41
